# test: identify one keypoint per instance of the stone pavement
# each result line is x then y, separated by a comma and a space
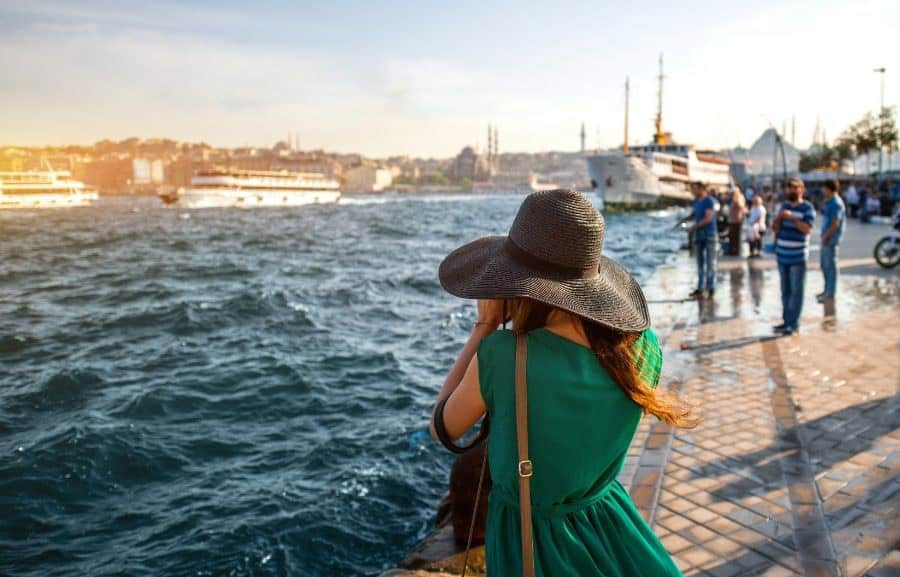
794, 468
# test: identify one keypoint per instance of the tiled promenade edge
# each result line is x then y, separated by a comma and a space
795, 467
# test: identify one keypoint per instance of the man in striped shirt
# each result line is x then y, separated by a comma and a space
792, 226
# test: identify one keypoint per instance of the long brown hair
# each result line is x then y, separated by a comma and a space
617, 353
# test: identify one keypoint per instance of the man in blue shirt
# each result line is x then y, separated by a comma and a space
705, 240
792, 226
832, 231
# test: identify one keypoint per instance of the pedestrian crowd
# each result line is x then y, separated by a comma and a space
728, 217
869, 200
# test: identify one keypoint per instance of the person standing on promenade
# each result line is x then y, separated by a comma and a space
737, 210
706, 240
757, 226
792, 227
833, 218
749, 194
590, 365
873, 205
864, 204
769, 204
853, 200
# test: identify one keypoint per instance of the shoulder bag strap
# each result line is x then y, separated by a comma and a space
525, 466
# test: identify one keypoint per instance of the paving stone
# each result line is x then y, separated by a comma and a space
856, 565
697, 534
725, 569
723, 526
676, 523
697, 556
723, 547
813, 544
701, 516
777, 571
675, 543
821, 569
682, 565
888, 567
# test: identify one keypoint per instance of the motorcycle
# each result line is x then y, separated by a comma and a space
887, 250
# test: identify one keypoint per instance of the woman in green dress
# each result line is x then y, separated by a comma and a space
592, 368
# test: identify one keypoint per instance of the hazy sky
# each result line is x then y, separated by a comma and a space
425, 78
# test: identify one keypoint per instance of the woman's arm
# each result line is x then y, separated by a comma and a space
465, 405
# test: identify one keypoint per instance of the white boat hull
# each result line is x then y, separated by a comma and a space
49, 200
621, 179
250, 198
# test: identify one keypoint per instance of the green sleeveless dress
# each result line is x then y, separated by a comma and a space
580, 425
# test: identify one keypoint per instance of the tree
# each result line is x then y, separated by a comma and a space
858, 136
816, 157
887, 128
871, 134
436, 178
826, 157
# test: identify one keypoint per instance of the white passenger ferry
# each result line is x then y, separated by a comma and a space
661, 169
250, 188
43, 189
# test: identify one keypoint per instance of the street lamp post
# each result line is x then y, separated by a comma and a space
881, 124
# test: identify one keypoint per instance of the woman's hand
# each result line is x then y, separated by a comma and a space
490, 313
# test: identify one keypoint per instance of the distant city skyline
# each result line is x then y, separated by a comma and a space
384, 79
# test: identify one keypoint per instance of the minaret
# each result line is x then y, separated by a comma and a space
793, 130
817, 133
496, 149
582, 138
625, 145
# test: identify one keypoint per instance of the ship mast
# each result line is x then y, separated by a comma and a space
661, 137
625, 146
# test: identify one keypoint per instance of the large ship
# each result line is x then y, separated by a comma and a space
250, 188
43, 189
660, 170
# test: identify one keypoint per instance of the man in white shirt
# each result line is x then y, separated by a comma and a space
853, 200
757, 226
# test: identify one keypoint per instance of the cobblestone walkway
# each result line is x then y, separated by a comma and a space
794, 467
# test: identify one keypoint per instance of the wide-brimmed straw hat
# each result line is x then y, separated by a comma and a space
552, 254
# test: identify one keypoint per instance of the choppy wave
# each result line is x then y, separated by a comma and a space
234, 393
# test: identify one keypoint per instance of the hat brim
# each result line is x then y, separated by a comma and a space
483, 269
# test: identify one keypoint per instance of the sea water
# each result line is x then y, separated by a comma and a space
235, 392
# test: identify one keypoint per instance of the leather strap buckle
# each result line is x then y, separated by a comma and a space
526, 469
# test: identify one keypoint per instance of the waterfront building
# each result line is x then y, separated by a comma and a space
367, 178
147, 174
13, 160
469, 165
113, 174
759, 158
